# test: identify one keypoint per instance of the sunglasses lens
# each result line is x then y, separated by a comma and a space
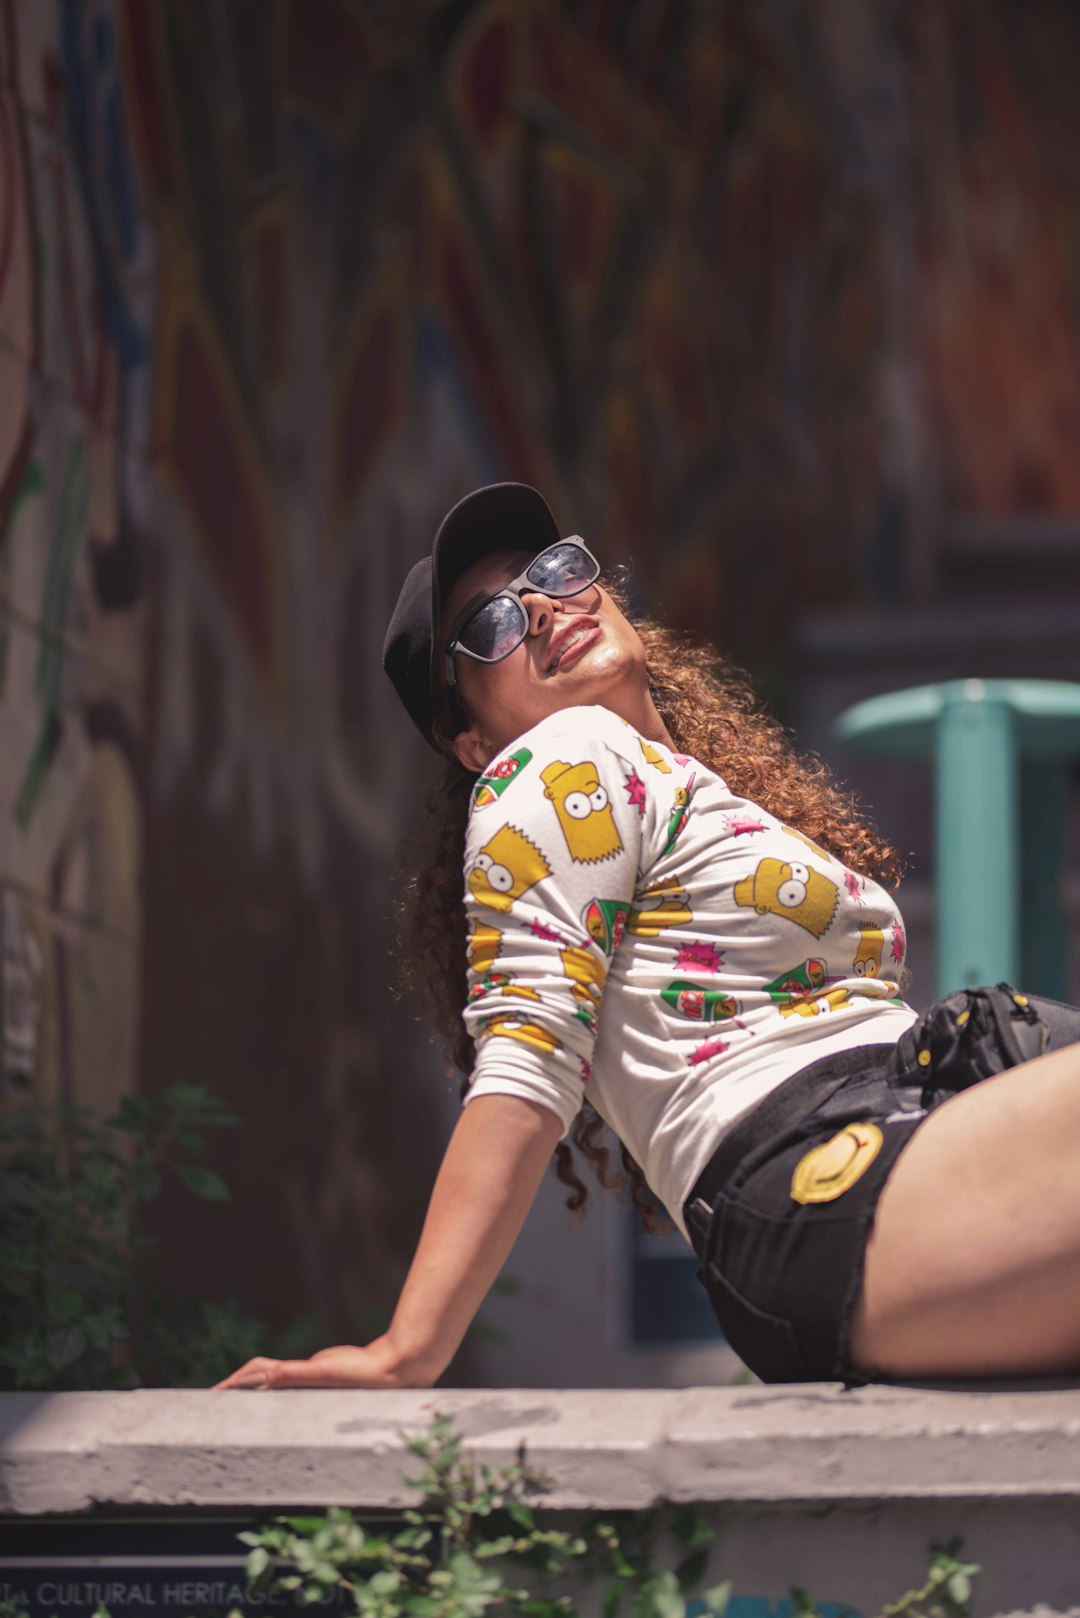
562, 570
495, 630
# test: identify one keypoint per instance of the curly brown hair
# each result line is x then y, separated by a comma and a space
712, 713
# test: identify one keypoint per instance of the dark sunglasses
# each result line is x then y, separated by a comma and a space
498, 625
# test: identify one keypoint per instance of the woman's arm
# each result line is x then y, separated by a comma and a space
484, 1189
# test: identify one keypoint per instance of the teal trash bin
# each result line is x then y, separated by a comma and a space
1002, 750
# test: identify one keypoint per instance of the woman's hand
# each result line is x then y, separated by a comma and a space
495, 1160
376, 1366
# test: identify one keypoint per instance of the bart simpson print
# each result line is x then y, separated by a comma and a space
524, 1031
867, 962
586, 974
662, 904
814, 848
585, 815
484, 944
651, 756
506, 867
783, 888
813, 1005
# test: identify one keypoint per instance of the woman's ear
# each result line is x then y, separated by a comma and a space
471, 750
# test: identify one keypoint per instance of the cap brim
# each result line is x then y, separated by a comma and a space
502, 516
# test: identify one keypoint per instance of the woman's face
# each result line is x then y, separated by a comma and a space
578, 650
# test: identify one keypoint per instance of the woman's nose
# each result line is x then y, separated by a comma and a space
541, 610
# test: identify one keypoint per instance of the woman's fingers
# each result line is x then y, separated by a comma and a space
342, 1367
255, 1374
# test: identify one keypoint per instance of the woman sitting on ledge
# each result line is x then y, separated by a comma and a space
673, 924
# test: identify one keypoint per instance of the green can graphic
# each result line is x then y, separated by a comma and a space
703, 1005
495, 781
800, 980
605, 922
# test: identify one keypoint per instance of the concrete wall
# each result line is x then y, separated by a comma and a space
757, 294
840, 1492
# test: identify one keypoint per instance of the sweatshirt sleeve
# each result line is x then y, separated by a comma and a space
551, 859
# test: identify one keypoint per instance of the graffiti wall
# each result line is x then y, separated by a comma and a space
279, 281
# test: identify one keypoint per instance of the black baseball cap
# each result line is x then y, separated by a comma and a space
501, 516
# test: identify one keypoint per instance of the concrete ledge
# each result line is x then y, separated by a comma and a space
79, 1452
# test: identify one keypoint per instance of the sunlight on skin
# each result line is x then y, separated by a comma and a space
551, 669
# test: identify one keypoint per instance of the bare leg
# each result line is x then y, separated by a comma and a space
973, 1267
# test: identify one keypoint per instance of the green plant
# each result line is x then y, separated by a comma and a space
946, 1592
75, 1307
473, 1543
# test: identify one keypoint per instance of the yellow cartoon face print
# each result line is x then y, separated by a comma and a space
663, 904
867, 962
813, 1005
807, 842
785, 888
586, 973
652, 756
525, 1032
506, 867
484, 944
585, 815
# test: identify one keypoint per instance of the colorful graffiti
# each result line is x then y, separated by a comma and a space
277, 284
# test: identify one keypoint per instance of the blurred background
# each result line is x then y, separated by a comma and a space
779, 301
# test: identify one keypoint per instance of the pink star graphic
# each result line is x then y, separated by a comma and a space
711, 1047
854, 884
635, 786
899, 942
542, 930
743, 825
681, 759
700, 957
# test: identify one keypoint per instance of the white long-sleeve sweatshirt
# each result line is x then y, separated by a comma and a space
640, 935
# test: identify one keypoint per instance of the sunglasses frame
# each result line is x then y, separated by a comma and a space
516, 588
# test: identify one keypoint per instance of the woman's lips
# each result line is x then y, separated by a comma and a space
572, 645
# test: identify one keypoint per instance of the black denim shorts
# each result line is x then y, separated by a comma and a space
783, 1248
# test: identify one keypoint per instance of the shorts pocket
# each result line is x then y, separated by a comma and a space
766, 1343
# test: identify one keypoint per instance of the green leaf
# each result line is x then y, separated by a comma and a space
145, 1182
691, 1570
258, 1562
612, 1599
64, 1304
205, 1183
959, 1587
717, 1598
691, 1529
384, 1583
659, 1596
63, 1346
520, 1513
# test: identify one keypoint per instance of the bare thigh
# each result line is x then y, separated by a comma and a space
973, 1267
